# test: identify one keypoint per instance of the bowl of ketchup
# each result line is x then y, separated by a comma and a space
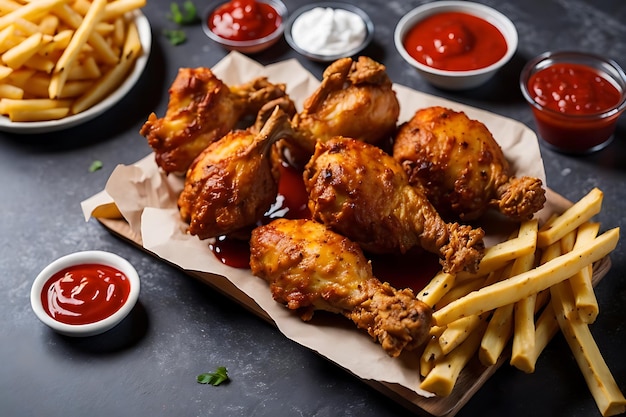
85, 293
576, 99
456, 45
246, 26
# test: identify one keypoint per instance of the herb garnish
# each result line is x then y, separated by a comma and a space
186, 16
214, 378
95, 165
175, 36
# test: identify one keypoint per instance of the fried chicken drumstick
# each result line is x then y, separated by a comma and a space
355, 99
363, 193
462, 167
231, 184
201, 110
309, 267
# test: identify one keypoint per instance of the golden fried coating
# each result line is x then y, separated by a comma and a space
309, 267
364, 194
201, 110
462, 167
355, 99
231, 184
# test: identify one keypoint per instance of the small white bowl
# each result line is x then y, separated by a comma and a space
456, 80
81, 258
329, 57
251, 46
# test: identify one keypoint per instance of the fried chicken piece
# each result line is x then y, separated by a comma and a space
310, 267
462, 167
355, 99
231, 184
201, 110
364, 194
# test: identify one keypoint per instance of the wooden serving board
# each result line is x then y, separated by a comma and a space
473, 376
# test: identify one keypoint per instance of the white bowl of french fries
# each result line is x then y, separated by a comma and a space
62, 63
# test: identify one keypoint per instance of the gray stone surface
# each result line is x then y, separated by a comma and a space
181, 328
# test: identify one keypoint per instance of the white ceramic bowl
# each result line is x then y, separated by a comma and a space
252, 46
329, 57
81, 258
456, 80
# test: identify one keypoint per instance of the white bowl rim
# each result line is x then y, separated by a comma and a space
493, 16
367, 21
280, 7
79, 258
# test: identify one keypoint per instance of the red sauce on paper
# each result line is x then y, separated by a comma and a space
244, 20
455, 41
412, 270
85, 293
573, 90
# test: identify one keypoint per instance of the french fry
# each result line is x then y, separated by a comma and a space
533, 281
601, 383
39, 115
577, 214
27, 11
49, 24
5, 71
11, 91
9, 5
74, 20
39, 63
61, 70
497, 335
436, 288
584, 295
460, 290
432, 352
20, 53
500, 254
524, 321
132, 49
86, 70
33, 110
458, 331
443, 376
119, 7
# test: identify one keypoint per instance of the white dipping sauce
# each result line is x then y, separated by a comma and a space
327, 31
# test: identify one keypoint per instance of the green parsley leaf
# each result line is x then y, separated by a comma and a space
95, 165
175, 36
214, 378
186, 16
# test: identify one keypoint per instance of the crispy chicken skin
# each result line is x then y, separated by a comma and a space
231, 184
462, 167
309, 267
201, 110
364, 194
355, 99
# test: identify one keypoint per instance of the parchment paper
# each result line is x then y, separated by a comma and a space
146, 198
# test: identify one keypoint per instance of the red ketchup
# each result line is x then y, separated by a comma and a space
244, 20
567, 89
455, 41
85, 293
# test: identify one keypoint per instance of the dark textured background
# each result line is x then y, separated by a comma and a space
181, 328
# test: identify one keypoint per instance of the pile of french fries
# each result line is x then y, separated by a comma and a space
527, 288
60, 57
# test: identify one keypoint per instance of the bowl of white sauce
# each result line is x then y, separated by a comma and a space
328, 31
